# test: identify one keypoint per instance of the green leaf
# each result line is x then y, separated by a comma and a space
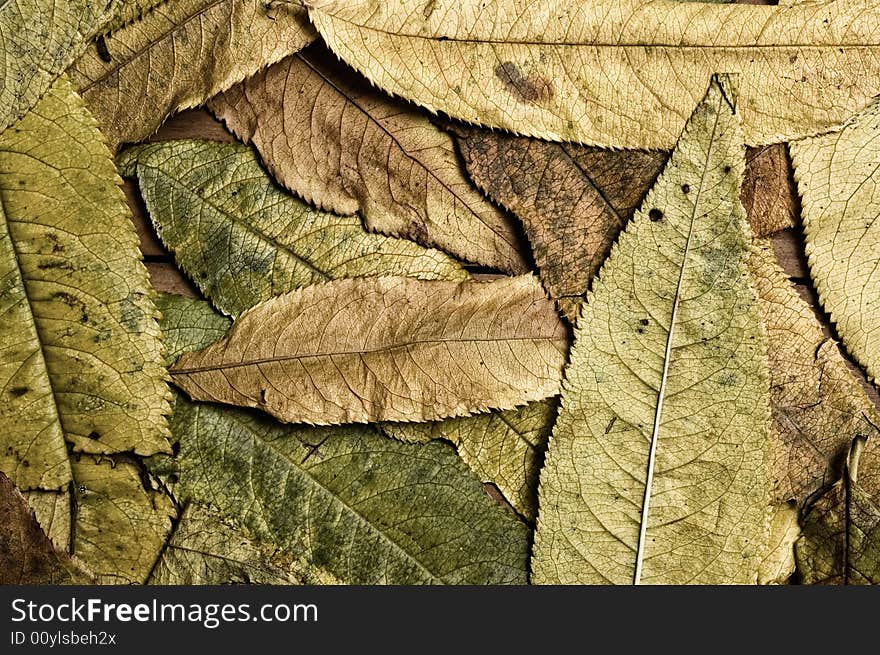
505, 448
839, 181
347, 501
656, 470
38, 40
243, 240
207, 548
841, 528
178, 55
80, 348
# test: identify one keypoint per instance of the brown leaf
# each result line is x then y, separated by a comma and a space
768, 191
331, 138
818, 405
27, 556
385, 349
572, 200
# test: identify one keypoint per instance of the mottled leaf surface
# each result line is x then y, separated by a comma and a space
344, 146
385, 349
27, 556
656, 470
839, 181
504, 448
80, 349
345, 500
242, 239
623, 74
178, 55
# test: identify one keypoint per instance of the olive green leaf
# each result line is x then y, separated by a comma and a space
122, 518
38, 40
656, 470
80, 348
27, 556
242, 239
207, 548
625, 76
385, 349
839, 182
329, 137
178, 55
54, 514
345, 500
818, 405
128, 11
188, 324
505, 448
841, 529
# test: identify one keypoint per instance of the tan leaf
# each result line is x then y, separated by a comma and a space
53, 512
778, 564
178, 55
385, 349
504, 448
818, 405
839, 181
27, 556
329, 137
624, 74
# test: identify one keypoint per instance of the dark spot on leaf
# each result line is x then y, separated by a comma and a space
103, 52
94, 434
25, 463
18, 391
685, 188
655, 215
643, 321
529, 89
727, 169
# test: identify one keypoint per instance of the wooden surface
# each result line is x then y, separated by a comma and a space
200, 124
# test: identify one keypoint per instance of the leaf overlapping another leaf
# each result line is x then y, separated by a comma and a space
178, 55
610, 73
345, 147
656, 470
385, 349
80, 350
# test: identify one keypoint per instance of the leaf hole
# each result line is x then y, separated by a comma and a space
655, 215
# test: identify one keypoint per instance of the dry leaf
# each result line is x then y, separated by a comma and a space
80, 351
841, 540
779, 563
177, 56
385, 349
27, 556
839, 181
504, 448
818, 405
122, 520
345, 500
38, 40
54, 514
624, 74
572, 201
329, 137
768, 191
243, 240
209, 549
656, 470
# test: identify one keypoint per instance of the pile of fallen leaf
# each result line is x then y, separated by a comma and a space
488, 293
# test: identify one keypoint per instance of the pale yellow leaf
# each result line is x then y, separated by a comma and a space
778, 564
656, 470
839, 181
